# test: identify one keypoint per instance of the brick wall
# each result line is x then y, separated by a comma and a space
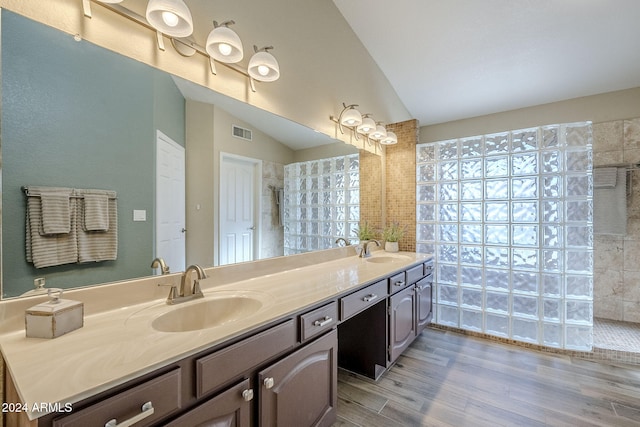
401, 181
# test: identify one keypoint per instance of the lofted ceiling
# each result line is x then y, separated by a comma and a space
454, 59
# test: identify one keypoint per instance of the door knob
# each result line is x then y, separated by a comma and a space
183, 230
247, 395
268, 382
252, 228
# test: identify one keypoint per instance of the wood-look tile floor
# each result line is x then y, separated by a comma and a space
449, 379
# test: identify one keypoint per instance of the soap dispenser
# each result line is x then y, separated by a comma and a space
55, 317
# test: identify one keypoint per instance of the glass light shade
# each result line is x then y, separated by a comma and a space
367, 126
390, 139
264, 67
224, 45
351, 117
170, 17
379, 133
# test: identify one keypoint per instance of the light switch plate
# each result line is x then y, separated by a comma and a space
139, 215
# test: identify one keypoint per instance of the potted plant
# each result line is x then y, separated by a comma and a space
391, 235
365, 232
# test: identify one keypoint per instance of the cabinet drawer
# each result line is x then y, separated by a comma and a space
163, 393
317, 321
219, 368
415, 273
397, 282
428, 267
358, 301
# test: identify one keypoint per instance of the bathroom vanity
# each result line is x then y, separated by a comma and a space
277, 365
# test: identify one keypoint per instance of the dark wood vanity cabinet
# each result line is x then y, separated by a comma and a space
284, 374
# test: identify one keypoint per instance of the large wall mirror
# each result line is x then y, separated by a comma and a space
79, 116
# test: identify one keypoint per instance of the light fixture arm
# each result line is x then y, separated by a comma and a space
224, 24
345, 108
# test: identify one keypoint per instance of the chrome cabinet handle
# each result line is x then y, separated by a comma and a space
268, 382
399, 283
323, 322
369, 297
247, 395
147, 411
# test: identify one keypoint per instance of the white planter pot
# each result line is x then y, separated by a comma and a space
391, 246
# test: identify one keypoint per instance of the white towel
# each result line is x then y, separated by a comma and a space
56, 211
96, 212
605, 177
610, 207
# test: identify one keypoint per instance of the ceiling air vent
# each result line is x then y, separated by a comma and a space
242, 133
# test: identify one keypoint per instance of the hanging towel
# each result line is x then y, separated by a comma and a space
53, 249
610, 206
95, 246
56, 210
605, 177
96, 212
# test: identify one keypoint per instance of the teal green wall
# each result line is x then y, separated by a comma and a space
76, 115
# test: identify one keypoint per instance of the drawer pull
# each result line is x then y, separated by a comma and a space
323, 322
247, 395
147, 411
268, 382
369, 297
399, 283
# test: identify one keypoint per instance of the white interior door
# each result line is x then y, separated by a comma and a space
238, 224
170, 202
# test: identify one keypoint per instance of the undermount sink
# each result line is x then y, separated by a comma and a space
387, 259
207, 313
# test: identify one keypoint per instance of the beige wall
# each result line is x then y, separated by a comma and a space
598, 108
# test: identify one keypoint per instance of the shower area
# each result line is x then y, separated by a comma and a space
616, 270
613, 251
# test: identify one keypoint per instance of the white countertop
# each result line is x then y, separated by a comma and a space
119, 344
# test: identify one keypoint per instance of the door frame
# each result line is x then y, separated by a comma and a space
165, 139
257, 196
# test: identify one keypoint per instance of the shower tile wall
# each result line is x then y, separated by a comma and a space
617, 259
272, 244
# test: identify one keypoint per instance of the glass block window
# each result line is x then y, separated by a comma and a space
321, 203
508, 217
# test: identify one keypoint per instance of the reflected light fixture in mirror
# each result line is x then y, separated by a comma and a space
263, 66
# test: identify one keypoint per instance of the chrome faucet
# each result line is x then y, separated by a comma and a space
177, 296
159, 262
363, 250
342, 239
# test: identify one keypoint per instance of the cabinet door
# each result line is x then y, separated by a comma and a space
231, 408
301, 389
402, 322
423, 304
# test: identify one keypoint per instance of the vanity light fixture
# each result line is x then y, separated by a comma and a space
170, 17
390, 139
379, 133
367, 126
223, 44
263, 66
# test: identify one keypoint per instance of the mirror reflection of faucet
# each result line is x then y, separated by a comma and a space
159, 263
343, 240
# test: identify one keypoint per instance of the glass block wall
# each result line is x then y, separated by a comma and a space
508, 217
322, 203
